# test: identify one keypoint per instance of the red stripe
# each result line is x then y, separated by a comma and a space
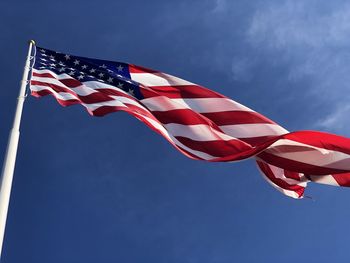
322, 140
183, 116
292, 175
215, 148
296, 166
71, 83
139, 69
179, 92
43, 75
40, 93
135, 110
342, 179
255, 141
236, 117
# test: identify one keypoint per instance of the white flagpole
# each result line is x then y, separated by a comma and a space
10, 157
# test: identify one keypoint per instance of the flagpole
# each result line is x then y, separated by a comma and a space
11, 152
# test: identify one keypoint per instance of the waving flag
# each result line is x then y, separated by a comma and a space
200, 123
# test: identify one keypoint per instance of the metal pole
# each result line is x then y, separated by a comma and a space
10, 157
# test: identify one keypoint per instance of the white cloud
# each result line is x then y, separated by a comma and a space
314, 40
337, 120
242, 68
220, 6
290, 25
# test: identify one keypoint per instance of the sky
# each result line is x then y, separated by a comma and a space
89, 189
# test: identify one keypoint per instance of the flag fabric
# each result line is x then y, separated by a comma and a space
200, 123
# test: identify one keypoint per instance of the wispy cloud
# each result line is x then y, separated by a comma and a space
338, 120
242, 68
313, 39
220, 6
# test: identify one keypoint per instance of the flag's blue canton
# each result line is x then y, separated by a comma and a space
87, 69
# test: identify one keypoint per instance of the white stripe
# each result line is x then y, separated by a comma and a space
100, 85
253, 130
175, 142
201, 105
158, 79
118, 101
57, 76
324, 179
198, 132
59, 95
310, 154
279, 173
80, 90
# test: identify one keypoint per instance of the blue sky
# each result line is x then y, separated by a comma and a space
110, 190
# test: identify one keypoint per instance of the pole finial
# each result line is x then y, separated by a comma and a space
32, 42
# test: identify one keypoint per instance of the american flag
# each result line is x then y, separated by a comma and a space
200, 123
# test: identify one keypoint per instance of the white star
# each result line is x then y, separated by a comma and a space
71, 73
84, 67
44, 55
43, 59
53, 65
110, 80
103, 66
52, 57
43, 50
131, 92
92, 70
76, 62
120, 68
67, 57
61, 64
120, 85
80, 77
61, 69
101, 75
